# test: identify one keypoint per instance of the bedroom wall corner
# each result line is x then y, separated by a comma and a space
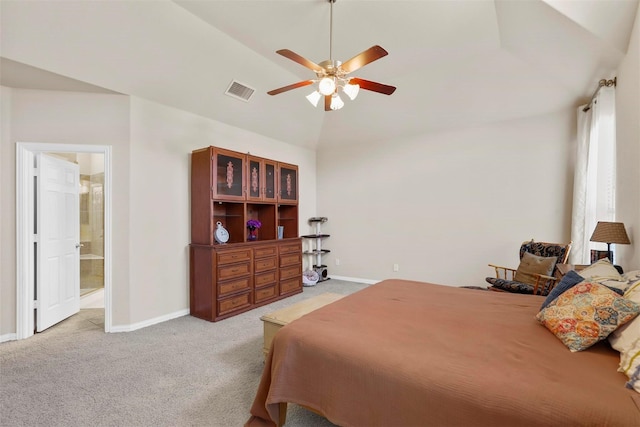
443, 205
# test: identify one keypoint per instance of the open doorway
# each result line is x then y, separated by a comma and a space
91, 229
97, 227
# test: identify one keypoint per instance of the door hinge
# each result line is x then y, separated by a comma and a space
36, 304
36, 238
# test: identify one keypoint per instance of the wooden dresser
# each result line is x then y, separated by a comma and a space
232, 277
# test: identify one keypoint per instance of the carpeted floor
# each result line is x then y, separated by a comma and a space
184, 372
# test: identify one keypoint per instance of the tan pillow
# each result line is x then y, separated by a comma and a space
533, 264
601, 270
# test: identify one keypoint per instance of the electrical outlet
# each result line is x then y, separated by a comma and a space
396, 267
337, 261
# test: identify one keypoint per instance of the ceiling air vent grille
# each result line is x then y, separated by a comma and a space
240, 91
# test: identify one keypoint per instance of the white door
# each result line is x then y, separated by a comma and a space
58, 244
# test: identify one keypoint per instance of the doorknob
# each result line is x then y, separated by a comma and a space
79, 245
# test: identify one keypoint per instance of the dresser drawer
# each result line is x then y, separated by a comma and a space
233, 270
229, 257
234, 286
289, 272
292, 248
266, 293
265, 252
287, 286
290, 259
264, 264
234, 303
265, 278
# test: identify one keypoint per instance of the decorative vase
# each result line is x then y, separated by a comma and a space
253, 234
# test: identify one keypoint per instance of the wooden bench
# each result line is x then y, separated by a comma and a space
276, 320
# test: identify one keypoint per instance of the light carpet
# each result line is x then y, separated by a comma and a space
183, 372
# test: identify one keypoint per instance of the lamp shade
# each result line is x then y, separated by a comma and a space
314, 97
610, 232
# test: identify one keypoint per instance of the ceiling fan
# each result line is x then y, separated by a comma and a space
333, 75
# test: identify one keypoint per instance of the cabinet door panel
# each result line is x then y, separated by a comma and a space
286, 249
265, 278
289, 272
255, 175
264, 252
266, 293
233, 286
290, 259
235, 256
290, 286
235, 270
269, 180
288, 183
265, 264
228, 175
234, 303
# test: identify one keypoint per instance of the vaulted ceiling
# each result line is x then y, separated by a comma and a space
454, 62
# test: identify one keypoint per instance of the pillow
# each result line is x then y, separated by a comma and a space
626, 339
568, 281
530, 265
633, 281
601, 270
585, 314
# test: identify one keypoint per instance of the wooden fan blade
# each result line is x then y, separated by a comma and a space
364, 58
300, 60
293, 86
372, 86
327, 103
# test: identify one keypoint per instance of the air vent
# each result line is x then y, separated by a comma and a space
239, 91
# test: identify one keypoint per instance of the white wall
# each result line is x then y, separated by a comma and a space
151, 146
628, 150
64, 118
443, 205
162, 139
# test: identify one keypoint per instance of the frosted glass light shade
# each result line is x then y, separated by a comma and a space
314, 97
336, 102
351, 90
326, 86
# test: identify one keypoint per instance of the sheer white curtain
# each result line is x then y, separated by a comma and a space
595, 173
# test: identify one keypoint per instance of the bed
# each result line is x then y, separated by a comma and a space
405, 353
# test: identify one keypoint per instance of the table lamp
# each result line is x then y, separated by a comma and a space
610, 232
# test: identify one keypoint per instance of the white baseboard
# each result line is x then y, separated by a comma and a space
354, 279
150, 322
8, 337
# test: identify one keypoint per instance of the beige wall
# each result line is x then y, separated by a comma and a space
64, 118
162, 139
150, 171
443, 205
628, 148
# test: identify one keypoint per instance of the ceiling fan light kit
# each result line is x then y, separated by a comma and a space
332, 75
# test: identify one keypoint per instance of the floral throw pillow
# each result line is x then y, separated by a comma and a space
585, 314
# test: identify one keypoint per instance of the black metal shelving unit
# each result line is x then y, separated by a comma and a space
317, 252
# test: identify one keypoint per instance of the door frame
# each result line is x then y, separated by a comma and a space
25, 259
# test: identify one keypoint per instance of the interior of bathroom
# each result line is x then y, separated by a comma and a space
91, 217
91, 226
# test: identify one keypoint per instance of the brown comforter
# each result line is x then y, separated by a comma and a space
403, 353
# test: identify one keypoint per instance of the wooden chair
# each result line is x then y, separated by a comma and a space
507, 280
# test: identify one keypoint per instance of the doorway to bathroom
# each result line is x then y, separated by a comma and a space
91, 229
94, 221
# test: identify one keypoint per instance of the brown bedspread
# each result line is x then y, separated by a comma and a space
403, 353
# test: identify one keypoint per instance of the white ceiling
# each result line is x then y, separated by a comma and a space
454, 62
